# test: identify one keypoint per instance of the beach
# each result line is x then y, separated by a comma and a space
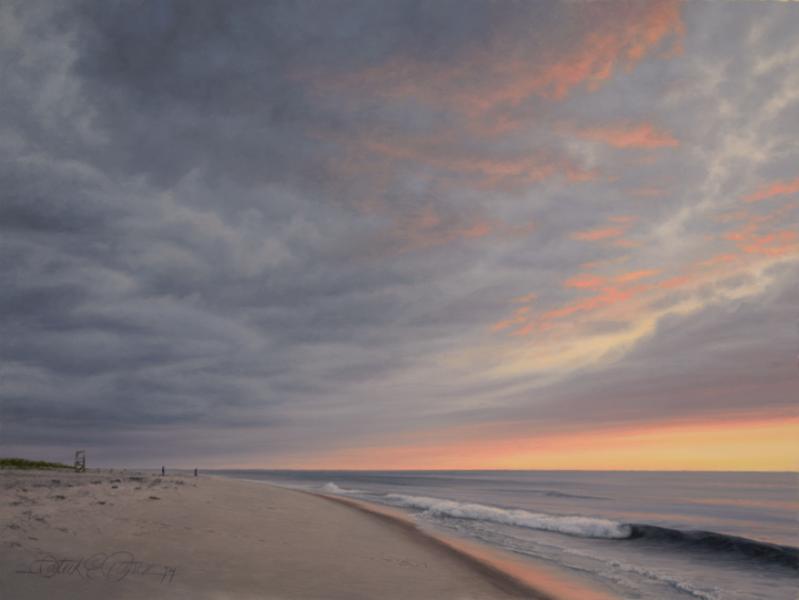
105, 535
658, 535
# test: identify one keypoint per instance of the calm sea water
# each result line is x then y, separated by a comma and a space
662, 535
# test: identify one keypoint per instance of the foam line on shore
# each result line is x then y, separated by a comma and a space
507, 573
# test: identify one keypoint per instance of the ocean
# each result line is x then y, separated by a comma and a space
660, 535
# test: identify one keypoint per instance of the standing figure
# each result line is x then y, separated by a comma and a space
163, 470
195, 471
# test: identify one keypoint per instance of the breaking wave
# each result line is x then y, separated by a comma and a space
719, 543
570, 525
590, 527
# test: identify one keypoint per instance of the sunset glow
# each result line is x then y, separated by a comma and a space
678, 446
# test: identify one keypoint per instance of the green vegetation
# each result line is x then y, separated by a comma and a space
24, 463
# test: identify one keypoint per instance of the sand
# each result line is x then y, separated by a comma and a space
125, 535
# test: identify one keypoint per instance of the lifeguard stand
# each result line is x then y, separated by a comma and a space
80, 461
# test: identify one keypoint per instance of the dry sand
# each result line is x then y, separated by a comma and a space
125, 535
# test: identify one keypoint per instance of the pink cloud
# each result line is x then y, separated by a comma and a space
776, 188
625, 135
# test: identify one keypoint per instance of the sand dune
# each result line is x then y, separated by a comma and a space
128, 535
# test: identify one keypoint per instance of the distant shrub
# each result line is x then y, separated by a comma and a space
24, 463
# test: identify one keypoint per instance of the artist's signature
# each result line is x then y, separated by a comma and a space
109, 567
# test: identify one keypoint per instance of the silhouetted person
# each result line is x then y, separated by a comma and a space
195, 471
163, 470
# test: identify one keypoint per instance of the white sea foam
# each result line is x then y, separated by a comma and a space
660, 577
332, 488
578, 526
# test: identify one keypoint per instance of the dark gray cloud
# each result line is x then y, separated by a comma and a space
278, 228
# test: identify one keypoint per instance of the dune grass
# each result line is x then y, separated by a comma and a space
24, 463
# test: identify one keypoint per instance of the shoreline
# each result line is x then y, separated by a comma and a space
508, 571
123, 535
500, 577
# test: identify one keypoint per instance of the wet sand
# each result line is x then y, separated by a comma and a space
129, 535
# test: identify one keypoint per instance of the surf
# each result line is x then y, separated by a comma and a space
588, 527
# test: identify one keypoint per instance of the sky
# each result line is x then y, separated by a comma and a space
401, 234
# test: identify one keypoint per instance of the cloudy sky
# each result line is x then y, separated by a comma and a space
400, 234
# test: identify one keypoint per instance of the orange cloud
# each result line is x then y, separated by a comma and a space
519, 317
606, 296
751, 239
575, 333
428, 227
585, 281
593, 235
719, 259
378, 157
623, 41
644, 135
624, 296
777, 188
778, 243
505, 72
636, 275
620, 224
